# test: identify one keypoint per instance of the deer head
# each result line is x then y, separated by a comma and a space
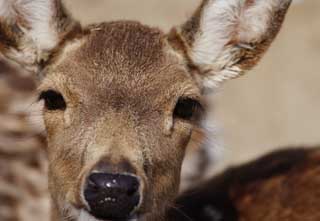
121, 99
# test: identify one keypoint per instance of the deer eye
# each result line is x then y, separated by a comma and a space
53, 100
187, 109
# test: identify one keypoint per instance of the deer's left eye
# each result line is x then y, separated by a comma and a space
187, 109
53, 100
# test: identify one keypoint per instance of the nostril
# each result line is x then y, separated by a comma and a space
133, 188
92, 184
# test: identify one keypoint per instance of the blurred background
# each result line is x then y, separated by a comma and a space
274, 106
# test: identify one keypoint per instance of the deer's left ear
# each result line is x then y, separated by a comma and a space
224, 38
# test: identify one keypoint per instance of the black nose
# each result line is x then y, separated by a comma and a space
112, 196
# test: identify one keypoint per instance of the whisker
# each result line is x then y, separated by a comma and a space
172, 206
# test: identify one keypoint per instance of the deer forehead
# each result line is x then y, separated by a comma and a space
120, 61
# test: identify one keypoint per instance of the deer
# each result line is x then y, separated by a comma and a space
121, 100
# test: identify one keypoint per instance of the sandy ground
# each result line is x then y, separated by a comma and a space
275, 105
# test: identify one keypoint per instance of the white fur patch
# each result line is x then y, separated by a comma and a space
39, 14
40, 32
218, 20
212, 143
85, 216
222, 69
209, 152
6, 10
223, 21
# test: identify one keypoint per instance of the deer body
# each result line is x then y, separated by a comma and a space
278, 186
121, 99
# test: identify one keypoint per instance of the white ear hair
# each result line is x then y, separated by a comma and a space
223, 21
31, 29
224, 32
217, 22
38, 15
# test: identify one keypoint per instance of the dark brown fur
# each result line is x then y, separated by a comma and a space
280, 186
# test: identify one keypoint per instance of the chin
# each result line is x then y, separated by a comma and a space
84, 215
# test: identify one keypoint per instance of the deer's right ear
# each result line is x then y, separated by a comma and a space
224, 38
31, 29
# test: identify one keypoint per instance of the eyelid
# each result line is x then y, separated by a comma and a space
199, 99
42, 92
197, 108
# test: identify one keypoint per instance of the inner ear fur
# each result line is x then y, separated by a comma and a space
223, 39
31, 30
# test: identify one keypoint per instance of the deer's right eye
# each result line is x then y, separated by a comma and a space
53, 100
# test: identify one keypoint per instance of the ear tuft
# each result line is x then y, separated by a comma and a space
225, 38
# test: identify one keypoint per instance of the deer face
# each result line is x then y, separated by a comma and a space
118, 123
121, 100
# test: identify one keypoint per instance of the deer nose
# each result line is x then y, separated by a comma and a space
112, 196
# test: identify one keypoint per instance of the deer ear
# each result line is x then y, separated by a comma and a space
224, 38
31, 29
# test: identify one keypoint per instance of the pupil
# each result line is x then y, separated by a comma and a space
53, 100
185, 108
